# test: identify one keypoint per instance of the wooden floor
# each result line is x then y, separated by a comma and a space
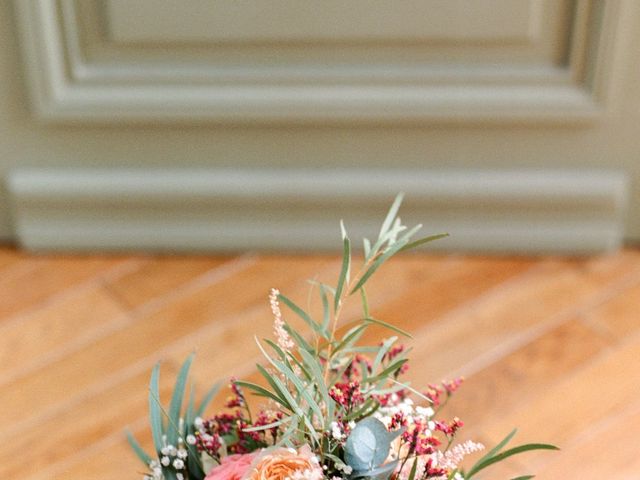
551, 345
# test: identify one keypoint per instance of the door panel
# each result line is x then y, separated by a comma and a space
454, 87
318, 62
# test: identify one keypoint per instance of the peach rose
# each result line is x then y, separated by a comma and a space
286, 463
233, 467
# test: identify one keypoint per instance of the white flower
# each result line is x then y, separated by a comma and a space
336, 431
182, 453
178, 464
344, 468
191, 439
165, 461
425, 411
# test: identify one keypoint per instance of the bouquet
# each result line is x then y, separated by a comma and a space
331, 408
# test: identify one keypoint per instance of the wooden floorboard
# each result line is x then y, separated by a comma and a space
549, 344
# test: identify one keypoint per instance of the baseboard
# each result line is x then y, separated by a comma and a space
219, 210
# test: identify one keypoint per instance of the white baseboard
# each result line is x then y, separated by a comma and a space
210, 210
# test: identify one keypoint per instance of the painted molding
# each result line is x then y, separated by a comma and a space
226, 210
68, 86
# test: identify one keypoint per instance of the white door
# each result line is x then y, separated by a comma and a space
511, 123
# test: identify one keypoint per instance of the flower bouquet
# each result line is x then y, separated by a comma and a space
331, 408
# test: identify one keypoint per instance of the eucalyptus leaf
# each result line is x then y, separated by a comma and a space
368, 446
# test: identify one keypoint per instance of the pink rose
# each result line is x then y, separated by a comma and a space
233, 467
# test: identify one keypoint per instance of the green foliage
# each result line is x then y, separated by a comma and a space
155, 413
175, 408
173, 426
496, 455
367, 448
142, 455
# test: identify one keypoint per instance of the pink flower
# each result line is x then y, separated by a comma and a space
287, 464
233, 467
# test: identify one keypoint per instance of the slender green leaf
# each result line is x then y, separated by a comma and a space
326, 314
169, 474
175, 407
397, 229
422, 241
392, 250
276, 348
387, 371
411, 389
303, 315
259, 390
414, 467
295, 407
155, 413
368, 407
301, 365
142, 455
366, 245
208, 397
361, 349
365, 302
190, 415
387, 325
382, 351
350, 337
288, 433
279, 398
524, 477
293, 378
284, 392
391, 215
385, 391
299, 339
407, 235
193, 460
498, 447
316, 371
278, 423
338, 462
364, 371
343, 279
390, 228
508, 453
327, 287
